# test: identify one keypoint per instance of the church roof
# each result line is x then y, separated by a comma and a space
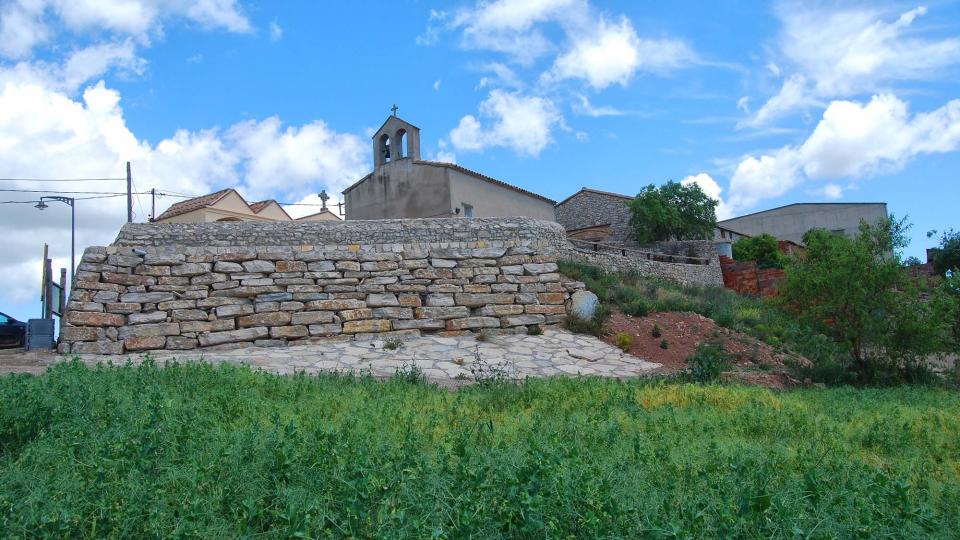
466, 171
598, 192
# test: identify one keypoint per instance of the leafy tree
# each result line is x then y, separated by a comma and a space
912, 261
855, 291
947, 256
763, 249
672, 212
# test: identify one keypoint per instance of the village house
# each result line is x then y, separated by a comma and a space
228, 205
402, 185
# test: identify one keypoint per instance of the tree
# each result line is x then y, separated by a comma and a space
763, 249
672, 212
947, 256
855, 291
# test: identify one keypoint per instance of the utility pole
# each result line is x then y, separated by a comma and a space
153, 204
129, 195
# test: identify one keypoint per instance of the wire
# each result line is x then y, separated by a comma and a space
71, 192
61, 179
75, 199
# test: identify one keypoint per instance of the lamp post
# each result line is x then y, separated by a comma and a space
73, 225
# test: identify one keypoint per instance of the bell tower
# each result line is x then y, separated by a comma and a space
396, 139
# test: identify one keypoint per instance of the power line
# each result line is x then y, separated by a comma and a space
75, 198
61, 179
69, 192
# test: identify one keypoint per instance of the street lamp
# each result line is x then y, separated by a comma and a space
73, 224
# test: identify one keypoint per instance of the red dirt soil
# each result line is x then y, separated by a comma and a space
754, 361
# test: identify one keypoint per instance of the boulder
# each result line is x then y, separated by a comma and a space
582, 305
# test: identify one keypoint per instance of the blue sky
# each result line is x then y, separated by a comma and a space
762, 104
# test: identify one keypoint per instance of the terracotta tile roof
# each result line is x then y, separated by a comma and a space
259, 205
467, 171
195, 203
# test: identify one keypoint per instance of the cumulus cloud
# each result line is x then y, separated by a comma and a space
510, 119
78, 67
840, 52
510, 26
851, 141
25, 24
712, 190
47, 134
611, 53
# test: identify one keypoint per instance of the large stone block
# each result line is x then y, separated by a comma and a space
522, 320
122, 307
291, 266
320, 266
144, 330
207, 326
165, 259
180, 343
92, 318
106, 296
177, 304
442, 312
189, 315
289, 332
551, 298
143, 343
259, 266
234, 310
409, 300
469, 323
353, 266
127, 279
331, 329
481, 299
382, 300
275, 297
227, 267
147, 297
233, 336
273, 318
371, 325
535, 269
419, 324
190, 269
78, 333
500, 311
147, 318
545, 310
393, 313
208, 279
97, 347
335, 305
311, 317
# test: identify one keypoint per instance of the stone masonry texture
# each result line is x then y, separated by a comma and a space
232, 284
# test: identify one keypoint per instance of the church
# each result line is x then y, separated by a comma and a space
404, 186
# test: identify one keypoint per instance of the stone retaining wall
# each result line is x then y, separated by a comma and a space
184, 297
689, 274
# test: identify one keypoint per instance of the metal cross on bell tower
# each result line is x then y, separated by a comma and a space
394, 109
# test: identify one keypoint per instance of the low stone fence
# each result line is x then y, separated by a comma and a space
181, 297
625, 261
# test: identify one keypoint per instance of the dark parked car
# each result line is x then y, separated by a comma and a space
12, 331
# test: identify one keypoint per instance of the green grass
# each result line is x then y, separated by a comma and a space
200, 451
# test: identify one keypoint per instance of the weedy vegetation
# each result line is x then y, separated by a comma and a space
202, 451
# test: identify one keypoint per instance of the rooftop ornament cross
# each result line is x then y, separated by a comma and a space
324, 198
73, 223
394, 109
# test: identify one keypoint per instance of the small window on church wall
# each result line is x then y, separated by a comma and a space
467, 210
401, 144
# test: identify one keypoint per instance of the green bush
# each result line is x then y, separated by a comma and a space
763, 249
664, 344
624, 341
708, 362
656, 331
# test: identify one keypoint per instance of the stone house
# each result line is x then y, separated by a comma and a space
228, 205
404, 186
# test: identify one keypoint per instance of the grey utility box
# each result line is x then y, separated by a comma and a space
39, 334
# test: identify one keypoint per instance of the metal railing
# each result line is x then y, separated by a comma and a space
600, 247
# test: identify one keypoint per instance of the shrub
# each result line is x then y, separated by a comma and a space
708, 362
624, 341
672, 211
638, 307
656, 330
664, 344
534, 330
763, 249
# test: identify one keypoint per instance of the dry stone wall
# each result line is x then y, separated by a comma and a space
233, 284
690, 274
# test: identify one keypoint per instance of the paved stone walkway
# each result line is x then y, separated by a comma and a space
517, 356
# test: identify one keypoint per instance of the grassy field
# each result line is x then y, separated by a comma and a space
201, 451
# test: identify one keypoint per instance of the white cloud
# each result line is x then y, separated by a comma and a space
611, 53
851, 141
509, 26
586, 108
47, 134
522, 123
79, 67
445, 156
832, 191
276, 32
743, 104
25, 24
840, 52
712, 190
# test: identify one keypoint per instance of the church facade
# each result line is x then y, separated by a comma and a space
404, 186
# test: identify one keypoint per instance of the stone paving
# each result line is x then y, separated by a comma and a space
441, 359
